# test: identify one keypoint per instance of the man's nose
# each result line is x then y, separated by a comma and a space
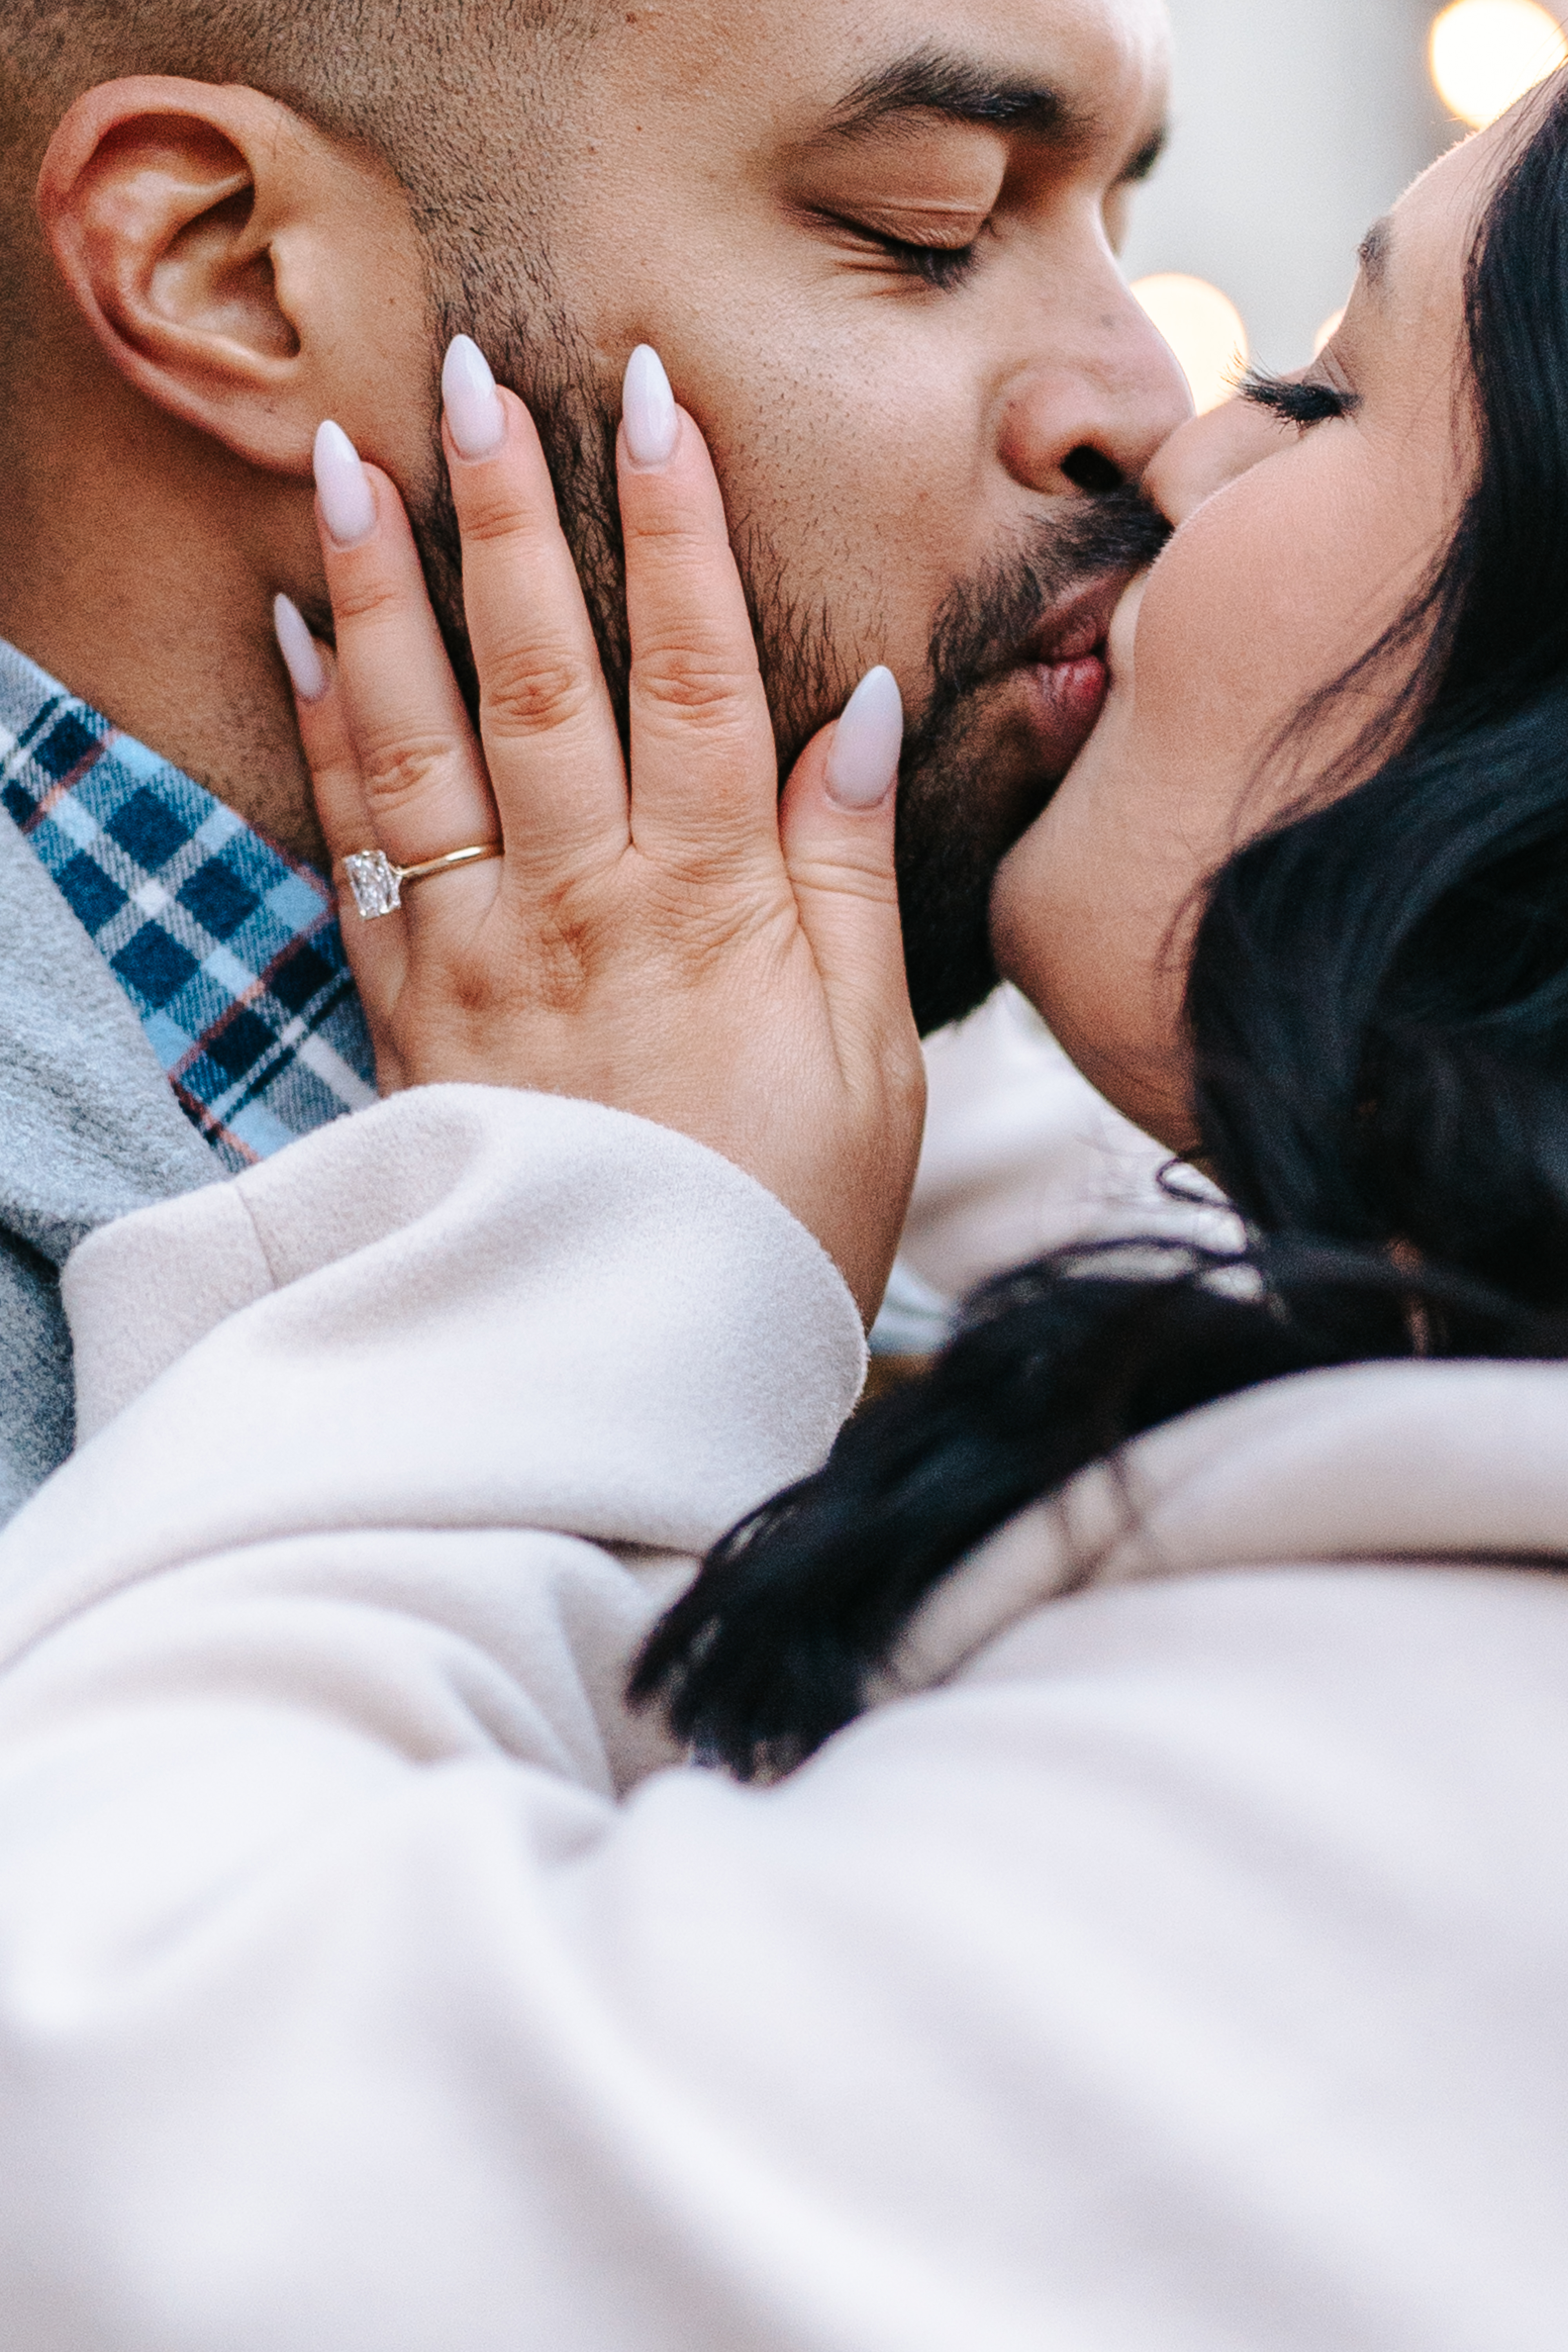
1089, 412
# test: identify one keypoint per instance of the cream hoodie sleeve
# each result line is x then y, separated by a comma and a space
488, 1326
1186, 1974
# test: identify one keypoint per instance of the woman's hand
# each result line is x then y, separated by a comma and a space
683, 945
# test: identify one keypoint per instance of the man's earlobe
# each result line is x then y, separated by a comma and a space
207, 235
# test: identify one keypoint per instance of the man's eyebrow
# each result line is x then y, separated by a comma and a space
1375, 246
932, 83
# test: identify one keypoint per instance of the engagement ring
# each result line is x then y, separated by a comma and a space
377, 883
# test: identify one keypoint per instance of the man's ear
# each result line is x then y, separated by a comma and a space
233, 262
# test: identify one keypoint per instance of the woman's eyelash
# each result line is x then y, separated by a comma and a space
1298, 404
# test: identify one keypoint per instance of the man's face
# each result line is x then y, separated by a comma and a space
875, 249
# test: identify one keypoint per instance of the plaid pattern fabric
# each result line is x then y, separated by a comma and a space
228, 948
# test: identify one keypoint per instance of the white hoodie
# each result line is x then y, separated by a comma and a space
1181, 1967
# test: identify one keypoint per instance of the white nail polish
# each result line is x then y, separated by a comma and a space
348, 503
648, 409
863, 760
298, 648
475, 417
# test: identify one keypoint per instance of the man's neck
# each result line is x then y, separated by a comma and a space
145, 589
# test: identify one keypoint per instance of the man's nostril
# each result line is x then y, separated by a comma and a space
1090, 469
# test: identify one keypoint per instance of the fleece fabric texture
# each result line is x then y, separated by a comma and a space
89, 1132
1178, 1963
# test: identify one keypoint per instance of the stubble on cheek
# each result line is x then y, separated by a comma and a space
970, 787
808, 674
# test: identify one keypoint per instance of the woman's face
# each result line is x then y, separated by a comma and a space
1296, 547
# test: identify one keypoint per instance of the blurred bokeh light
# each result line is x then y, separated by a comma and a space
1203, 326
1486, 53
1293, 127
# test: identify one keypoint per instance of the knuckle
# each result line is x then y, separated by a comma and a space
687, 682
666, 527
534, 691
398, 771
694, 926
563, 965
367, 593
493, 517
550, 968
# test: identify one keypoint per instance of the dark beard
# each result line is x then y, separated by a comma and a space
953, 830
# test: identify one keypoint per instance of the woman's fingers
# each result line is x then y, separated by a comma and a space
378, 951
704, 768
837, 825
837, 842
837, 822
545, 716
324, 733
422, 778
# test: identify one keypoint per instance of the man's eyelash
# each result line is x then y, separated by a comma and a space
942, 266
1300, 404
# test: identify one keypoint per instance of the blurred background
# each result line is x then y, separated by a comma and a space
1296, 124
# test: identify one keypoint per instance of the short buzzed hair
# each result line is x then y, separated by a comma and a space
371, 69
397, 75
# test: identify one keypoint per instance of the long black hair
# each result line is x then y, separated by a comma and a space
1378, 1016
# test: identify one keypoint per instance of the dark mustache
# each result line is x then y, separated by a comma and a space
984, 620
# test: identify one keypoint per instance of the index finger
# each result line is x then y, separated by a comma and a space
704, 764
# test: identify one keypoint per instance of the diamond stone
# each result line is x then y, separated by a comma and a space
374, 881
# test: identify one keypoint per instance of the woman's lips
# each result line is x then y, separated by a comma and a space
1068, 699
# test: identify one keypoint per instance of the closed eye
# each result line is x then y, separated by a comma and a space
1300, 403
942, 266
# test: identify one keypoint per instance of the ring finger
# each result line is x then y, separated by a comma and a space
420, 776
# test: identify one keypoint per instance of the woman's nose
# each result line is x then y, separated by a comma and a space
1205, 454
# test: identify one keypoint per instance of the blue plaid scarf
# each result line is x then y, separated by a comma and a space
228, 948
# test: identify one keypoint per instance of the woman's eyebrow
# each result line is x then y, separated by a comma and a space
1374, 253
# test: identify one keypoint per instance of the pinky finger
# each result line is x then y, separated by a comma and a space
324, 733
377, 951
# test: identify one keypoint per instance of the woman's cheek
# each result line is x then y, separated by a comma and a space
1201, 654
1082, 918
1087, 908
1078, 902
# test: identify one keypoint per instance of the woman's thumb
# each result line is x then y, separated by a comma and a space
863, 753
836, 828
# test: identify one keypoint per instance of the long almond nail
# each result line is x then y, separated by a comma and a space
863, 762
343, 486
647, 410
297, 647
475, 417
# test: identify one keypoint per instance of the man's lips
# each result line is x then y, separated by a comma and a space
1067, 677
1066, 700
1080, 627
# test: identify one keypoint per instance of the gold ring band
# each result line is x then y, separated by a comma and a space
377, 883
